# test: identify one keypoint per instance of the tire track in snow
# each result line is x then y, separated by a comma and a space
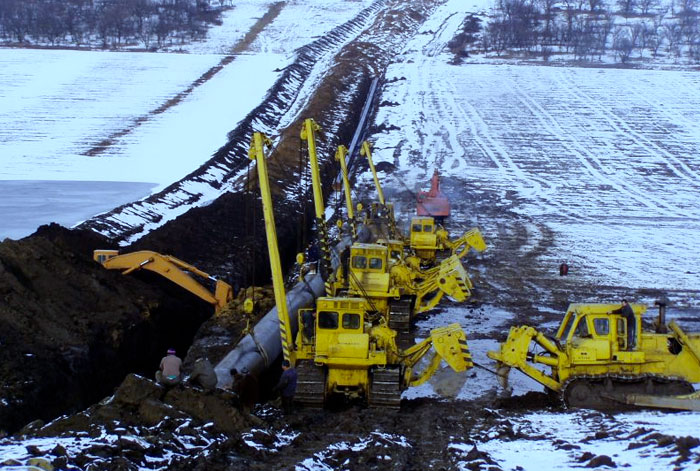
621, 125
587, 158
444, 111
539, 188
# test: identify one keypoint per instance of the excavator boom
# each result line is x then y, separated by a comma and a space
169, 267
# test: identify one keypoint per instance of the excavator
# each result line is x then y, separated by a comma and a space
174, 269
345, 347
433, 202
588, 363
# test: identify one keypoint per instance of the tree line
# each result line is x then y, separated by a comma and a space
592, 29
105, 23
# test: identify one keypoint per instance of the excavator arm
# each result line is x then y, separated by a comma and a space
514, 353
447, 343
171, 268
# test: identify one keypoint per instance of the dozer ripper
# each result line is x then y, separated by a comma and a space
588, 363
345, 346
169, 267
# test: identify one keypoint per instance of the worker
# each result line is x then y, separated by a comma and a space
245, 385
627, 312
287, 386
308, 319
169, 373
203, 374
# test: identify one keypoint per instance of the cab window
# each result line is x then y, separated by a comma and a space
375, 263
582, 328
601, 326
395, 254
327, 320
351, 321
567, 327
428, 228
359, 262
416, 228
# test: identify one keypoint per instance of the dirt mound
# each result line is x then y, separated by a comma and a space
70, 330
142, 423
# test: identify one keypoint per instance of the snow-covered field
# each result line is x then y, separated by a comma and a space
57, 105
607, 159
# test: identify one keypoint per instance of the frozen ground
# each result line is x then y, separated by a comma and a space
27, 204
606, 159
57, 105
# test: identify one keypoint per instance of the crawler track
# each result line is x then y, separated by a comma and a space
311, 384
400, 315
604, 392
385, 390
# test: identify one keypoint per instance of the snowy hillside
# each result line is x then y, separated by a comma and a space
599, 167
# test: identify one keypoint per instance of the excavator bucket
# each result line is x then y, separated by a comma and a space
450, 343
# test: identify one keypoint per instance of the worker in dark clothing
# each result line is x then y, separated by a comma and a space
287, 386
203, 374
169, 373
627, 312
245, 385
308, 319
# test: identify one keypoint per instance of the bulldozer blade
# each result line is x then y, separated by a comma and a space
689, 402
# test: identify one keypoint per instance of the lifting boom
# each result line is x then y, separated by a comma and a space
257, 153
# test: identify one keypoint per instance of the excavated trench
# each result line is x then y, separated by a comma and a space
71, 330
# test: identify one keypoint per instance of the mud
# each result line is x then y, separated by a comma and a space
71, 331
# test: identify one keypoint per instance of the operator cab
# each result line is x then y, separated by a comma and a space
336, 329
591, 332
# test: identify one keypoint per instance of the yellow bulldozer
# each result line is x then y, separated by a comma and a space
589, 364
344, 346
